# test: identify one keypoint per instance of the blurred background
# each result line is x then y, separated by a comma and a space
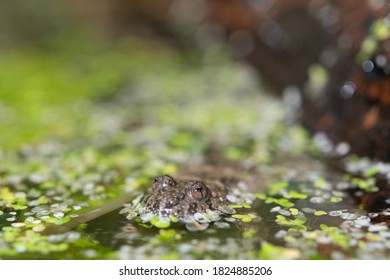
309, 51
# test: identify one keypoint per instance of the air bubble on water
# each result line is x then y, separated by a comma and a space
353, 242
39, 209
323, 142
33, 203
374, 246
58, 207
193, 227
348, 216
377, 227
317, 199
231, 198
363, 221
381, 60
368, 66
359, 193
185, 248
324, 239
36, 178
227, 210
73, 236
188, 219
357, 234
348, 90
131, 215
58, 215
124, 252
90, 253
18, 225
38, 228
336, 255
342, 186
201, 218
213, 215
275, 209
222, 225
342, 148
386, 212
83, 204
56, 238
338, 193
335, 213
385, 234
285, 212
31, 220
347, 224
43, 213
20, 195
281, 234
20, 249
309, 210
373, 215
145, 217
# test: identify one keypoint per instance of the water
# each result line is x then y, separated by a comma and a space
327, 223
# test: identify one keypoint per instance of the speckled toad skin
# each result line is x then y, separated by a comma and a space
183, 197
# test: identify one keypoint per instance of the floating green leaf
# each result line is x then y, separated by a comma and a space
335, 199
160, 222
297, 195
281, 201
274, 188
320, 213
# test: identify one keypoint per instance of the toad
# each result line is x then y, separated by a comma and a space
182, 197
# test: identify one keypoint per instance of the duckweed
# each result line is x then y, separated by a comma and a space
297, 195
293, 211
281, 201
245, 218
367, 184
320, 213
160, 222
336, 199
282, 220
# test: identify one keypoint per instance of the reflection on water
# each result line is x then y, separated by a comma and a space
319, 217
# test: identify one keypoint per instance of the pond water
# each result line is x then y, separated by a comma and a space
304, 218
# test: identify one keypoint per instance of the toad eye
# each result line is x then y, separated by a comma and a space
163, 182
198, 190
